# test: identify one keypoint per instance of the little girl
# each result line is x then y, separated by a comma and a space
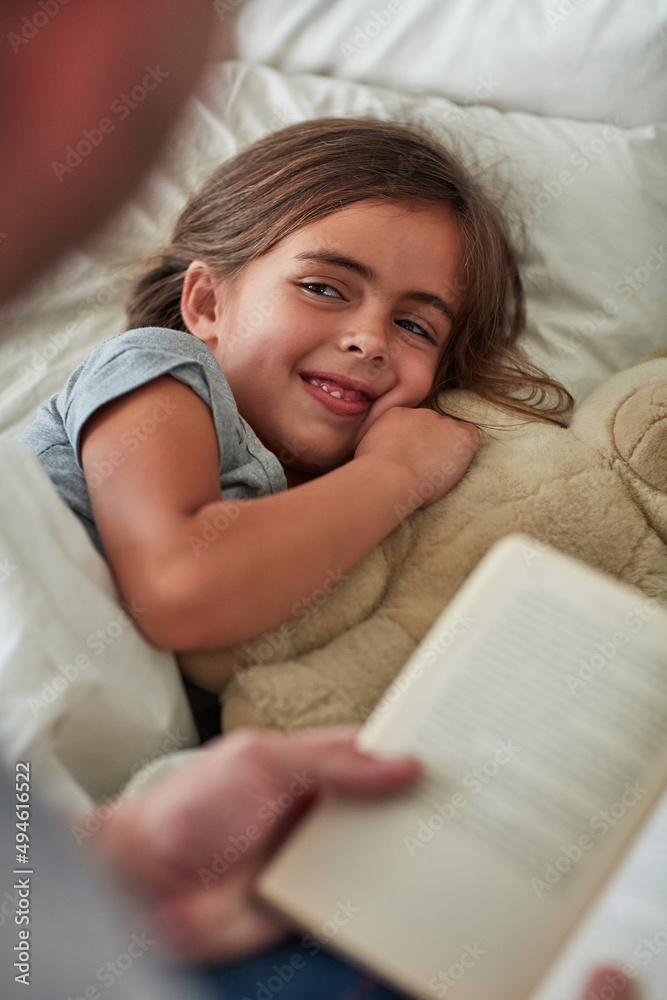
275, 402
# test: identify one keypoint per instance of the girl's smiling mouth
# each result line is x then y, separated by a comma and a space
331, 395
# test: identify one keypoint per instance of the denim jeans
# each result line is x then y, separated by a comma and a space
292, 971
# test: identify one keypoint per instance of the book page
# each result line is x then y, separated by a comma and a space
538, 702
627, 928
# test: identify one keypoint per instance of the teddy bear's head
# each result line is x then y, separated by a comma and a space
626, 419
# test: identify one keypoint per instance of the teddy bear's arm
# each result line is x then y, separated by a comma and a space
345, 600
338, 684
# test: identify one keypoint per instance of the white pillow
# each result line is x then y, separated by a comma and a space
586, 59
593, 196
83, 696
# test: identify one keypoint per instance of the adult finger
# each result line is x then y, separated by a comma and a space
329, 759
609, 983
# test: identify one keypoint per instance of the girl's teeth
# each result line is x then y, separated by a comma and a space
332, 392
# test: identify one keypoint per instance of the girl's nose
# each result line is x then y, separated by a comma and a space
369, 342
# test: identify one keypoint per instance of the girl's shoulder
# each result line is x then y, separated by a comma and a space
153, 340
130, 359
122, 364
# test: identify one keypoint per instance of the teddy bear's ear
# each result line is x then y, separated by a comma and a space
660, 353
640, 434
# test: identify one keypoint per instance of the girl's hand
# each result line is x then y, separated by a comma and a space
435, 450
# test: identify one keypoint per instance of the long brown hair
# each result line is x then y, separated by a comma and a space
304, 172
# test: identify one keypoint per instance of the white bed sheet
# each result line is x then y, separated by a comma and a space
83, 696
594, 60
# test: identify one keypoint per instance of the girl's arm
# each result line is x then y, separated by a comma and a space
194, 585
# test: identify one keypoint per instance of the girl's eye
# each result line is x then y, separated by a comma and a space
319, 285
317, 288
419, 330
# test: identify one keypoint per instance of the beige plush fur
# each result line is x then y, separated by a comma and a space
596, 490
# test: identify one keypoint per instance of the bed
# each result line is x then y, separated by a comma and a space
558, 105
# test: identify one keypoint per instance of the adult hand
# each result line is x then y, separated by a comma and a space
195, 844
608, 983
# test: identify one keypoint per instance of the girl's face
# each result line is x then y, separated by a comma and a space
361, 299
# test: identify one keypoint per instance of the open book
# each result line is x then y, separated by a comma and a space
538, 703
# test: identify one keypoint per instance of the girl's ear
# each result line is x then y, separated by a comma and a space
199, 303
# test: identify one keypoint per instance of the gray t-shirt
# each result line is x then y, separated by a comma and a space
247, 468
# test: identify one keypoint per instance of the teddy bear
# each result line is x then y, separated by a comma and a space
596, 490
